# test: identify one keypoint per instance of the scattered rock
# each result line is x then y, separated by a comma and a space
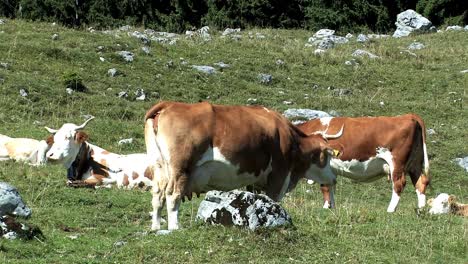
125, 28
242, 208
454, 28
119, 243
142, 37
351, 62
146, 49
265, 78
410, 21
430, 131
287, 102
362, 53
318, 52
323, 33
23, 92
113, 72
140, 95
222, 65
122, 94
5, 65
416, 46
362, 38
252, 100
126, 141
279, 62
205, 69
229, 31
102, 59
55, 36
2, 21
11, 202
300, 115
463, 162
324, 39
342, 92
69, 91
126, 55
349, 35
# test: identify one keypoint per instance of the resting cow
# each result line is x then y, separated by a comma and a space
372, 147
445, 204
200, 147
26, 150
92, 165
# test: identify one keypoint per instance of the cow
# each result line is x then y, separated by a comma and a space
90, 165
372, 147
445, 204
200, 147
27, 150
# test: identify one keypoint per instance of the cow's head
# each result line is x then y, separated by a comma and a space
66, 143
440, 204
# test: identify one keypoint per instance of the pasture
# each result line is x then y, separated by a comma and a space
111, 225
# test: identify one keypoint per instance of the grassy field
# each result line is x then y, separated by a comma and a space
110, 225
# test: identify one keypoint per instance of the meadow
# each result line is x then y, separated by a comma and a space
111, 225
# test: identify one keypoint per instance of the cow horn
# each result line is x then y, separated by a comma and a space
337, 135
84, 124
51, 130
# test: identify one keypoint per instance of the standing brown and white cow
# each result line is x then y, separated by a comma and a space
372, 147
201, 147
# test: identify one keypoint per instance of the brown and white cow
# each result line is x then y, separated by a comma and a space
95, 166
27, 150
200, 147
372, 147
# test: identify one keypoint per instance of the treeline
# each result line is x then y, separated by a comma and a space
180, 15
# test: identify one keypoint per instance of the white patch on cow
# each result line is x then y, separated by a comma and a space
440, 204
326, 205
421, 199
394, 202
215, 172
365, 171
326, 120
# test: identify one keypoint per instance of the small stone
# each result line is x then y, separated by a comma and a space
113, 72
125, 141
431, 131
122, 94
205, 69
318, 52
55, 36
362, 38
454, 28
140, 95
119, 243
349, 35
5, 65
23, 92
126, 55
416, 46
102, 59
265, 78
222, 65
163, 232
464, 71
362, 53
279, 62
287, 102
146, 49
69, 91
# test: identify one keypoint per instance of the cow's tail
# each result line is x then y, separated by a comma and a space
419, 120
418, 162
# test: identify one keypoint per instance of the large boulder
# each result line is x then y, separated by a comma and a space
242, 208
11, 202
410, 21
300, 115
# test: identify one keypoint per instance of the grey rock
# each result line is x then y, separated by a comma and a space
23, 92
363, 53
466, 28
119, 243
287, 102
462, 162
362, 38
5, 65
122, 94
279, 62
229, 31
126, 55
325, 44
351, 62
69, 91
349, 35
416, 46
431, 131
205, 69
377, 36
410, 21
146, 49
140, 95
113, 72
338, 39
322, 33
142, 37
252, 101
125, 141
125, 28
55, 36
11, 201
2, 21
241, 208
265, 78
342, 92
454, 28
222, 65
299, 115
318, 52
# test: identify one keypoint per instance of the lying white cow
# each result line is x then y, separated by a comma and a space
91, 165
445, 204
26, 150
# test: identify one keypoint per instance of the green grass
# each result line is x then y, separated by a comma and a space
357, 231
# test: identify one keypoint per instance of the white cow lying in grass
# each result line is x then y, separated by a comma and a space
27, 150
444, 204
90, 165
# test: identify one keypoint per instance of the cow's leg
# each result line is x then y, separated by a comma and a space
158, 203
399, 182
177, 188
420, 184
328, 192
277, 189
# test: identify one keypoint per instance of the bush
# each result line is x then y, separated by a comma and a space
444, 11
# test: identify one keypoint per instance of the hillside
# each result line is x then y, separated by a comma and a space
428, 82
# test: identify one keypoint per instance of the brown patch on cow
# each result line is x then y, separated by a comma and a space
135, 175
105, 152
125, 181
149, 173
103, 162
81, 137
50, 140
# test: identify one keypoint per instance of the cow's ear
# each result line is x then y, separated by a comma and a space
81, 137
430, 201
